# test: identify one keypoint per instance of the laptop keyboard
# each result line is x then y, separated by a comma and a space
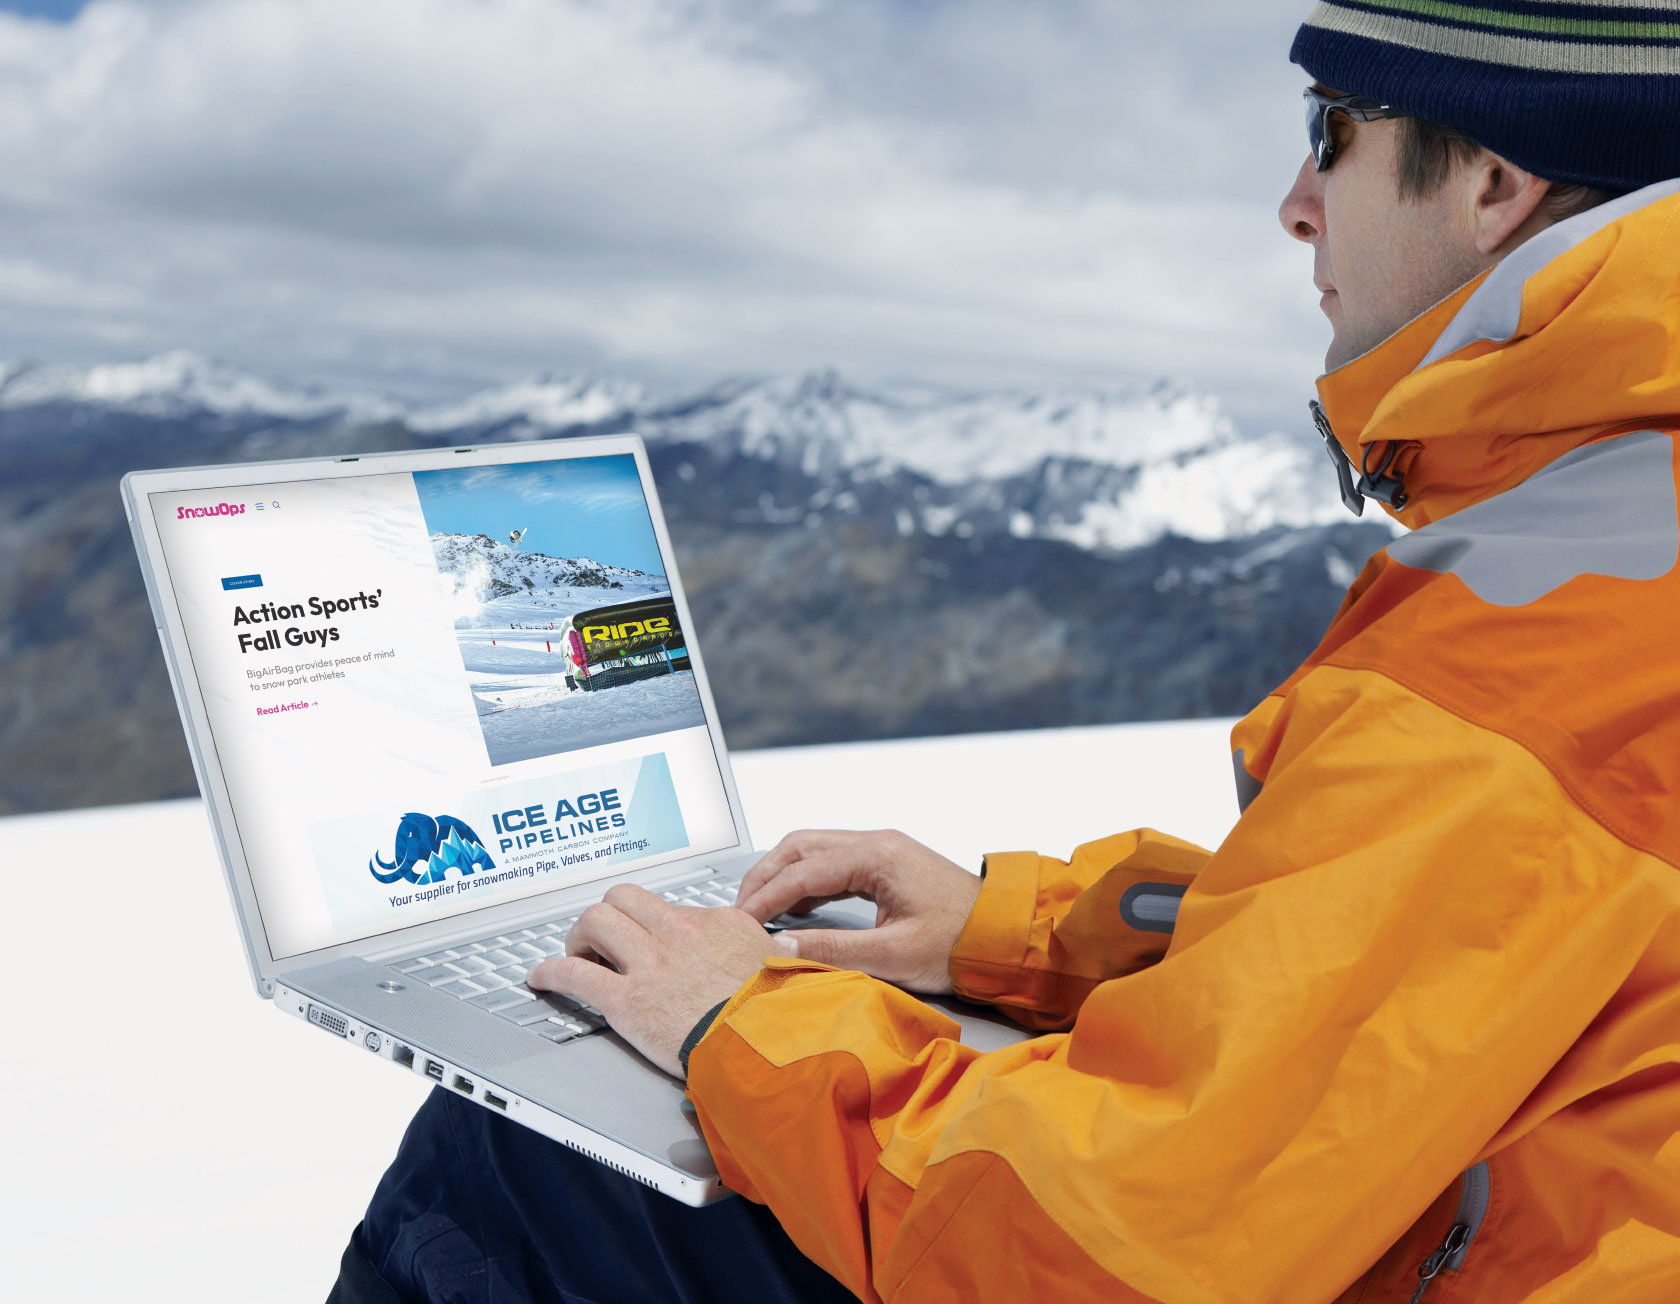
490, 972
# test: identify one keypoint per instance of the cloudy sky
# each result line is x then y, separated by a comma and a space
427, 195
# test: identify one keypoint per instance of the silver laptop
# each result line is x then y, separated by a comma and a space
438, 703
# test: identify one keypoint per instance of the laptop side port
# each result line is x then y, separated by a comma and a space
402, 1054
495, 1101
336, 1024
434, 1070
463, 1085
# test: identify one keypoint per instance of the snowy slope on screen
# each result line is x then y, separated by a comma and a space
511, 609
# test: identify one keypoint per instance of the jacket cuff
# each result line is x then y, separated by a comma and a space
698, 1031
994, 942
777, 969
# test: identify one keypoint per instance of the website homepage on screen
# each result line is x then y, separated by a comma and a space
436, 691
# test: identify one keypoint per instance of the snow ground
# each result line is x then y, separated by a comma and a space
517, 673
192, 1138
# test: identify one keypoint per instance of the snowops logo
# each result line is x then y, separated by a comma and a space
220, 509
427, 849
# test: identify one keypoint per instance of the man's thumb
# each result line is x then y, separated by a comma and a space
822, 945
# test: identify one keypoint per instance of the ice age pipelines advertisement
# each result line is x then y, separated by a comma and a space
499, 842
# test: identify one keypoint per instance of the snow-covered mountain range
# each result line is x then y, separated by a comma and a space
181, 384
493, 583
486, 568
1101, 468
860, 560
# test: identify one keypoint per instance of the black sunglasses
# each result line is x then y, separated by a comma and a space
1319, 108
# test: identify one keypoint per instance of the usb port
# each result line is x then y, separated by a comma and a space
434, 1070
463, 1085
491, 1098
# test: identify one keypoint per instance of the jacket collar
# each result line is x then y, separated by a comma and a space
1573, 336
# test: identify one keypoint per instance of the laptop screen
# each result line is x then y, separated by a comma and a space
436, 691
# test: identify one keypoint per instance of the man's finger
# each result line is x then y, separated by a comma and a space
827, 874
871, 950
794, 847
639, 904
571, 975
610, 934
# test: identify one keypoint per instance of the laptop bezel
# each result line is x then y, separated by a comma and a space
137, 488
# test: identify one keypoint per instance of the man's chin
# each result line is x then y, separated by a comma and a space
1343, 349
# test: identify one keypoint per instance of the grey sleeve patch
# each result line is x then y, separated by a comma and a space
1248, 787
1493, 311
1606, 509
1151, 907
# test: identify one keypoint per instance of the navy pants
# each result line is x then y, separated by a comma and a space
478, 1210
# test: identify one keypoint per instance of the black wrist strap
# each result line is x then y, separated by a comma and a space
698, 1031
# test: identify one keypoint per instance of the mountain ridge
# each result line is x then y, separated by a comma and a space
1102, 468
481, 568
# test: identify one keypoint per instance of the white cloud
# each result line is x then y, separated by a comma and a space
470, 189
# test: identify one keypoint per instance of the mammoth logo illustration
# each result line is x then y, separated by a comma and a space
427, 849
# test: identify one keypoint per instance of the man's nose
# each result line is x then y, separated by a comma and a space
1302, 210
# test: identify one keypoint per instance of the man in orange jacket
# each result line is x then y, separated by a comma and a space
1413, 1030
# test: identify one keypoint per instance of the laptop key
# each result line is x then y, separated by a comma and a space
438, 974
492, 980
557, 1031
501, 958
529, 1012
409, 966
442, 956
500, 999
528, 953
462, 988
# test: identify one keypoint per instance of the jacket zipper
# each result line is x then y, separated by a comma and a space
1467, 1221
1378, 485
1352, 499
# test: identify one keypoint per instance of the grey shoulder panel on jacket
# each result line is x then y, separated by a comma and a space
1494, 309
1248, 787
1604, 509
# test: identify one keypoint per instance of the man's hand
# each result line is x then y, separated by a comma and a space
674, 963
921, 902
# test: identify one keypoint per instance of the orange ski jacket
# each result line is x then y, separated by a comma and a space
1415, 1033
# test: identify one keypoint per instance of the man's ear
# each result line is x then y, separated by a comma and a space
1505, 204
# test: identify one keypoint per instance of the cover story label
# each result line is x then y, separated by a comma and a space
554, 830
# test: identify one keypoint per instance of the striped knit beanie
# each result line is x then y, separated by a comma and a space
1583, 92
